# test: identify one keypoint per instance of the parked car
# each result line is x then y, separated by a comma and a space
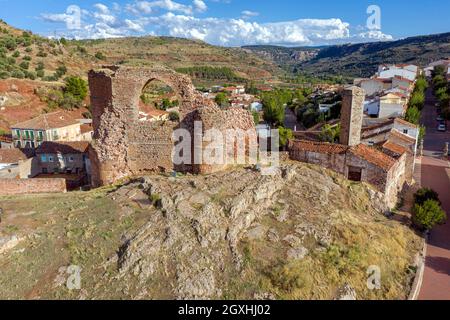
440, 118
442, 128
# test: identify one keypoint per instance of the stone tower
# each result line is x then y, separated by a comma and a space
352, 116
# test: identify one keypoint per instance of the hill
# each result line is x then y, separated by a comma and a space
360, 60
304, 233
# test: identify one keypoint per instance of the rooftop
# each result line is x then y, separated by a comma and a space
394, 149
374, 156
320, 147
405, 123
63, 147
403, 137
47, 121
12, 155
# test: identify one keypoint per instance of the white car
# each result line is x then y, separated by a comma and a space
442, 128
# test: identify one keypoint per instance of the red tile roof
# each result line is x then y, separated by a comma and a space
394, 149
47, 121
85, 128
319, 147
373, 156
64, 147
12, 155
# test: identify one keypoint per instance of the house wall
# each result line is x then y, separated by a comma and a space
60, 164
27, 186
396, 178
68, 133
391, 73
372, 87
388, 110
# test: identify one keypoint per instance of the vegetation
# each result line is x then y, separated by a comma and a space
285, 135
222, 99
69, 97
428, 215
211, 73
417, 101
442, 90
174, 116
427, 211
330, 133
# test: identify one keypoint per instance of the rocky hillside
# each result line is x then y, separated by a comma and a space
361, 60
302, 234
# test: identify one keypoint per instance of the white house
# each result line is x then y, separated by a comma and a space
397, 72
392, 105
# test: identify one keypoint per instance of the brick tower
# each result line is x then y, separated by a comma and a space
352, 116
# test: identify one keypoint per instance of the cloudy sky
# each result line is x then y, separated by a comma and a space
232, 22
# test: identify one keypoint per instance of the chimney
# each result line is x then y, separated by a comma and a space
352, 116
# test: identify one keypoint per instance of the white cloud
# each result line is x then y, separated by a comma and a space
102, 8
200, 5
149, 7
249, 14
105, 22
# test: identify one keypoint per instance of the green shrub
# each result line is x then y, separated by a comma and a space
100, 56
24, 65
40, 73
40, 66
16, 54
428, 215
174, 116
4, 75
41, 54
18, 74
27, 58
425, 194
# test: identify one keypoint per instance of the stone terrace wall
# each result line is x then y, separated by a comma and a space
27, 186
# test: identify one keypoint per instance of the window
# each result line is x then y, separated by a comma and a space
27, 134
44, 170
18, 133
43, 158
19, 144
55, 170
71, 159
371, 143
40, 136
405, 131
32, 135
50, 158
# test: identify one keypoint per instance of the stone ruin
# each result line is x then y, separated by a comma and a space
123, 146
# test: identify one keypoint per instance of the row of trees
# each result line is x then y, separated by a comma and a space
211, 73
417, 101
441, 90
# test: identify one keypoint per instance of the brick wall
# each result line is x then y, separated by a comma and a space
27, 186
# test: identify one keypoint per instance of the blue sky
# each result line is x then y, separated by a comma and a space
231, 22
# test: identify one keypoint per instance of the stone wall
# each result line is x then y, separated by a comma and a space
27, 186
124, 146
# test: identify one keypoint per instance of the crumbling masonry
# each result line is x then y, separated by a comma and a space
124, 146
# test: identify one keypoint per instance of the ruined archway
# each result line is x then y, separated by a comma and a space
125, 146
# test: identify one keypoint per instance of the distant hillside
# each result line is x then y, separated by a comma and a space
25, 55
361, 60
284, 56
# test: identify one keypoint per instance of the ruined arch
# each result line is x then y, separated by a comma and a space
124, 146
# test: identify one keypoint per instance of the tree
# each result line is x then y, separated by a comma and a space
100, 56
413, 115
77, 87
285, 135
428, 215
256, 117
330, 133
425, 194
222, 99
274, 111
417, 100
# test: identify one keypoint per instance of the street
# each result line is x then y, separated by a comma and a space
435, 174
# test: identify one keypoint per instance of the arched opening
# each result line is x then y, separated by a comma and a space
158, 101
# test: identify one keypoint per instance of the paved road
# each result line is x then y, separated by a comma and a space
435, 173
